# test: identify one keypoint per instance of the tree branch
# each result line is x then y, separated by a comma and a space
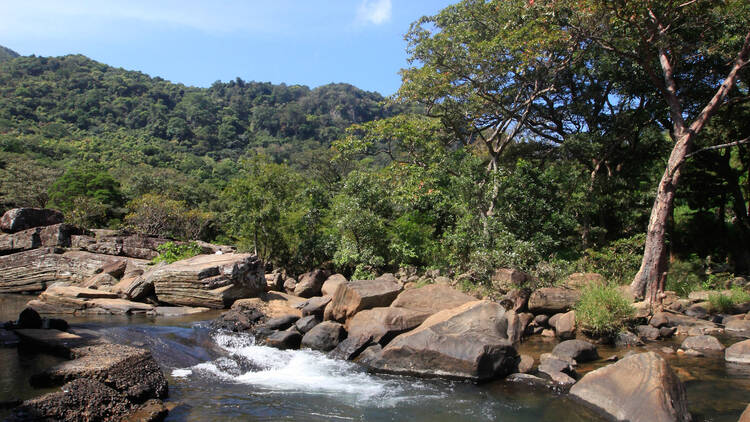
715, 147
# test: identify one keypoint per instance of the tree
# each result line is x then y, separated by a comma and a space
692, 54
89, 187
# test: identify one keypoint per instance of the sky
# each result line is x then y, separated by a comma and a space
308, 42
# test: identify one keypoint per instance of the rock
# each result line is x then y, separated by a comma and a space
431, 299
151, 411
306, 324
565, 326
642, 310
284, 340
684, 322
211, 281
351, 347
525, 364
29, 318
745, 416
740, 328
558, 369
627, 339
18, 219
467, 342
331, 284
552, 300
738, 352
53, 341
176, 311
126, 369
702, 344
383, 324
667, 332
275, 281
517, 324
530, 380
55, 236
324, 336
519, 299
581, 280
272, 304
667, 350
281, 323
541, 320
578, 350
289, 285
548, 333
640, 387
315, 306
118, 306
100, 280
116, 268
76, 398
505, 279
309, 284
699, 310
647, 332
360, 295
239, 319
693, 353
8, 339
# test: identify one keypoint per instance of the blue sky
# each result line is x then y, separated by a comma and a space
312, 42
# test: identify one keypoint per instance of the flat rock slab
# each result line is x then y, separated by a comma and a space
55, 341
739, 328
120, 306
211, 281
467, 342
431, 299
176, 311
359, 295
638, 388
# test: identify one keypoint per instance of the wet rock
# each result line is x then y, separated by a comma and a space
118, 306
324, 336
431, 299
79, 397
667, 350
578, 350
29, 318
239, 319
702, 344
351, 347
284, 340
467, 342
281, 323
383, 324
211, 281
639, 388
306, 323
627, 339
530, 380
126, 369
738, 352
525, 364
309, 284
740, 328
8, 338
18, 219
359, 295
552, 300
315, 306
565, 326
151, 411
331, 284
647, 332
53, 341
558, 369
176, 311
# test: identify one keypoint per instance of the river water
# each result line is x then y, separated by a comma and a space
227, 377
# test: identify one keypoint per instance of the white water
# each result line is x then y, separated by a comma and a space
272, 370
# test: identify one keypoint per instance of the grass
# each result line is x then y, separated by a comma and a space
172, 252
602, 310
722, 303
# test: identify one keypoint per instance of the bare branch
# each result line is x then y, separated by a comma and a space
715, 147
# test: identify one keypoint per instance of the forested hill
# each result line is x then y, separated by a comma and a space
7, 54
152, 135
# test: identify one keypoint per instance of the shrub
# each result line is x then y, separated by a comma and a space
618, 262
685, 276
602, 310
156, 215
172, 252
722, 303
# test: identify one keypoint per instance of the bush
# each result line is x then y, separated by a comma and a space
602, 310
618, 262
722, 303
685, 276
156, 215
172, 252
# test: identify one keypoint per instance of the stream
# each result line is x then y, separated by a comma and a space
226, 377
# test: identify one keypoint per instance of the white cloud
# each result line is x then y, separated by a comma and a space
374, 11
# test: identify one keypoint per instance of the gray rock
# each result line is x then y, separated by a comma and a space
351, 347
578, 350
315, 306
284, 340
552, 300
324, 336
738, 352
18, 219
647, 332
306, 323
702, 344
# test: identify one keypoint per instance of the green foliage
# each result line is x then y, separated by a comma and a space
157, 215
172, 252
618, 262
685, 276
89, 195
602, 310
723, 303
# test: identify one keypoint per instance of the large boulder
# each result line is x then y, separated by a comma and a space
212, 281
19, 219
552, 300
640, 387
309, 284
565, 326
324, 336
331, 284
467, 342
359, 295
431, 299
383, 324
702, 343
739, 328
738, 352
57, 235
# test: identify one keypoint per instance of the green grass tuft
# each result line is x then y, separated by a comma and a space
602, 310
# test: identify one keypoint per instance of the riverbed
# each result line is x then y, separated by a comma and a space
226, 377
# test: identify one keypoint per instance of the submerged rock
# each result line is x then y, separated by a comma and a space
468, 342
638, 388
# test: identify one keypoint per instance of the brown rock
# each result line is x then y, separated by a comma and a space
383, 324
315, 305
97, 281
525, 364
360, 295
324, 336
212, 281
702, 344
745, 416
272, 304
640, 387
565, 326
740, 328
18, 219
331, 284
467, 342
738, 352
505, 279
309, 284
119, 306
431, 299
552, 300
